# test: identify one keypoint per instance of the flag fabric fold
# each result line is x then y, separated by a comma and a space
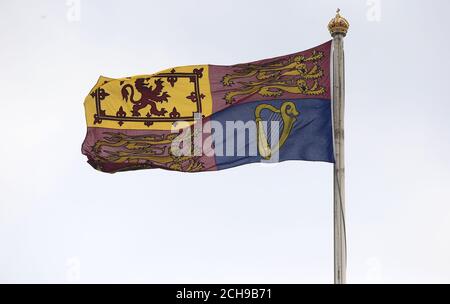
210, 117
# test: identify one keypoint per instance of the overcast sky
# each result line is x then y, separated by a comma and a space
62, 221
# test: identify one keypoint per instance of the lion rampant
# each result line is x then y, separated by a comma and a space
149, 96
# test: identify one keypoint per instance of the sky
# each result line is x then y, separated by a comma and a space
61, 221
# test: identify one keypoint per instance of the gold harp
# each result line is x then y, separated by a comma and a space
286, 115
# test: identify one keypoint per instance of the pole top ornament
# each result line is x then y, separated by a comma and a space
338, 25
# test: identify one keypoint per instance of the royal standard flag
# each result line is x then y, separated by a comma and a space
210, 117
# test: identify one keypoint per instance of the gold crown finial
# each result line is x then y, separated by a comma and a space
338, 25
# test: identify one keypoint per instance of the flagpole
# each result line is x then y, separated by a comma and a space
338, 28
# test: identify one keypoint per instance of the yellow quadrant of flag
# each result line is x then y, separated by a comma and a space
150, 102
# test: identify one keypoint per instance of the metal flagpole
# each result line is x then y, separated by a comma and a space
338, 28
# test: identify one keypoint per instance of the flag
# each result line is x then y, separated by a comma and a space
211, 117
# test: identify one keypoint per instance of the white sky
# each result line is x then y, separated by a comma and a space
62, 221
